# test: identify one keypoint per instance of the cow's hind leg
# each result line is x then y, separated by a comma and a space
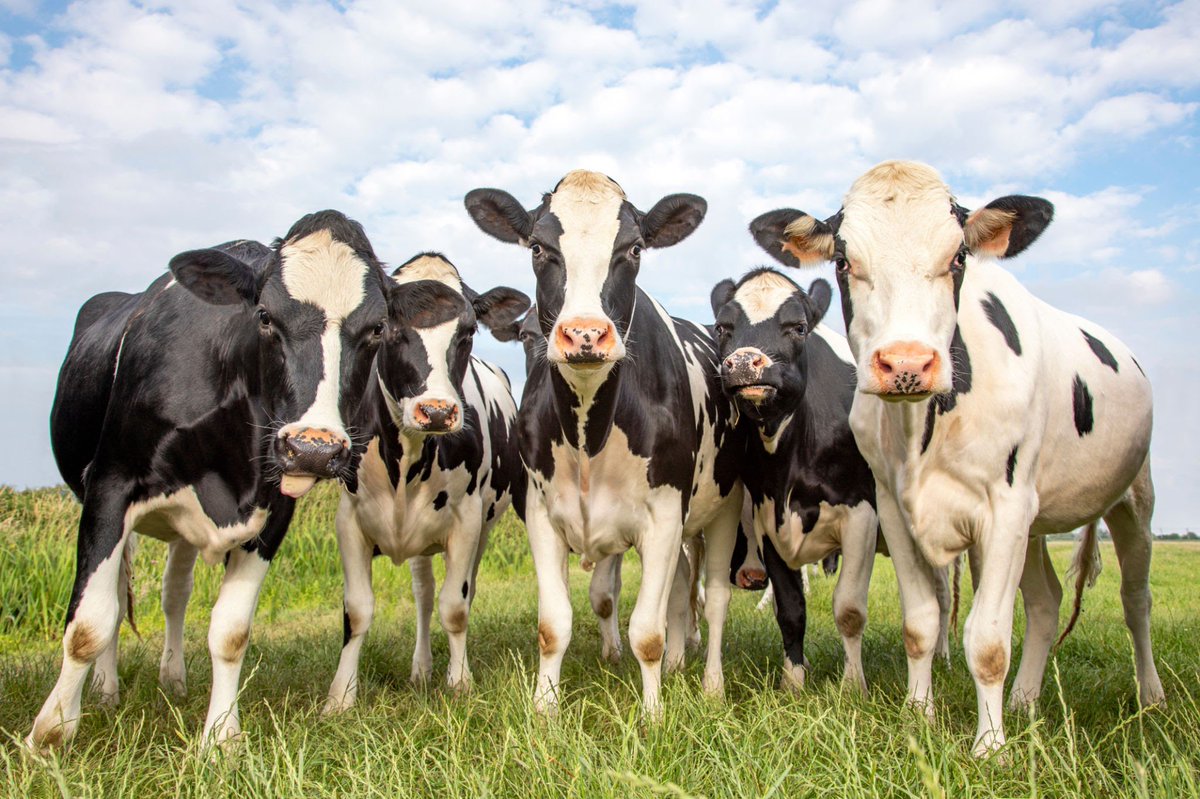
604, 593
1129, 524
1042, 596
93, 615
176, 591
678, 611
720, 538
423, 586
104, 673
791, 613
454, 608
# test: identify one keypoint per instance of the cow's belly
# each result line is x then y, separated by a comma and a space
797, 547
168, 517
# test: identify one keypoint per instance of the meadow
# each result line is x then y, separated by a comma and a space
1088, 738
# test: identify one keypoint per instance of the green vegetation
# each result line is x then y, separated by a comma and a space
1090, 738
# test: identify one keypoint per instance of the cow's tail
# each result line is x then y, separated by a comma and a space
127, 583
1085, 565
956, 591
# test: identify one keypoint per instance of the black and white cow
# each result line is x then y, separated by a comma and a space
987, 417
623, 428
441, 465
792, 378
196, 412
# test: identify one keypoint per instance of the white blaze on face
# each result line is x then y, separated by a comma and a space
326, 273
588, 206
761, 296
900, 237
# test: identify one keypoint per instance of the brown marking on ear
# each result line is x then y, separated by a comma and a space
850, 622
234, 646
805, 243
456, 622
991, 664
913, 644
605, 608
649, 650
83, 645
547, 640
987, 230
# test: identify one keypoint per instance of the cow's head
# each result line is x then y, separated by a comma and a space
762, 326
901, 245
586, 240
432, 317
317, 304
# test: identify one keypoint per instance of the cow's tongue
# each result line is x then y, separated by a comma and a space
296, 485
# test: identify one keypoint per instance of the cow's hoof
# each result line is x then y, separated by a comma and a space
714, 687
335, 705
611, 654
793, 677
419, 678
463, 685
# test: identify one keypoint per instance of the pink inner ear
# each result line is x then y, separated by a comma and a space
804, 256
990, 230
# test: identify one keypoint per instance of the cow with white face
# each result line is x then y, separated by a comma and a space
158, 426
623, 429
792, 379
441, 467
987, 418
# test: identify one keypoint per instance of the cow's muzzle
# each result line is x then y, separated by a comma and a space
436, 416
744, 373
587, 343
905, 370
308, 455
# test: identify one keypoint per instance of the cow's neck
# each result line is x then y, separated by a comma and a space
586, 405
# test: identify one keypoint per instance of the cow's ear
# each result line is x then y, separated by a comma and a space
721, 294
423, 303
216, 277
499, 214
672, 219
820, 293
1006, 226
500, 309
793, 237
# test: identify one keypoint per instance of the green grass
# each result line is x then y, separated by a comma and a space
1089, 737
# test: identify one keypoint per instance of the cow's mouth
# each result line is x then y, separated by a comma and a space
296, 485
756, 392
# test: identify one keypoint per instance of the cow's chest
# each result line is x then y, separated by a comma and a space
824, 533
180, 514
416, 517
603, 504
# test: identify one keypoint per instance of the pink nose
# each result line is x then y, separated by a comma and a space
755, 360
586, 339
436, 415
905, 367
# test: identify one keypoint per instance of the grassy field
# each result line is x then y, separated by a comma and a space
1089, 737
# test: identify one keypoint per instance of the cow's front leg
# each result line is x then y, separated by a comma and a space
358, 607
423, 586
1042, 595
454, 607
554, 602
720, 537
604, 594
791, 614
850, 594
228, 637
678, 611
918, 600
177, 583
659, 549
987, 634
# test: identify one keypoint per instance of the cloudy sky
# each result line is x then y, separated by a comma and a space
132, 131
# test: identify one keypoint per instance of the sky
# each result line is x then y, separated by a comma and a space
132, 131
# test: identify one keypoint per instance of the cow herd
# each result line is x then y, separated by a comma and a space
960, 414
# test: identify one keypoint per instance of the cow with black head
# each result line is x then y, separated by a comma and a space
441, 465
197, 412
792, 379
623, 428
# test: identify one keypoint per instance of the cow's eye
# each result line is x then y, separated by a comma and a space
960, 261
797, 329
843, 264
536, 249
722, 330
378, 329
635, 251
264, 318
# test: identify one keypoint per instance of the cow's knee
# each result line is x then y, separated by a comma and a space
227, 643
454, 616
850, 621
989, 662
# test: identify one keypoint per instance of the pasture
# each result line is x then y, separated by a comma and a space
1089, 738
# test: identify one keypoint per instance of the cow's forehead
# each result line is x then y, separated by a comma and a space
898, 205
430, 267
323, 271
762, 295
588, 207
